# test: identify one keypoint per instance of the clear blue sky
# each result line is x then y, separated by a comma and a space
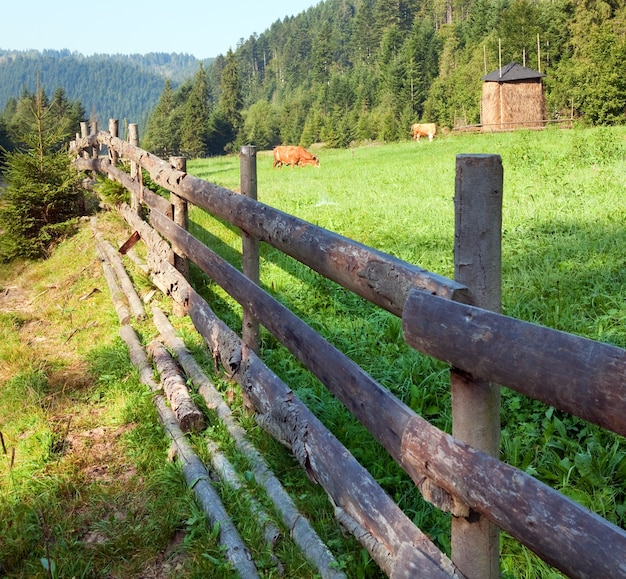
203, 28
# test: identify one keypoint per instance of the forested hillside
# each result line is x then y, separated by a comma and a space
108, 86
358, 70
350, 70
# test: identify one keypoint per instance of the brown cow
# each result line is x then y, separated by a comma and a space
286, 155
423, 130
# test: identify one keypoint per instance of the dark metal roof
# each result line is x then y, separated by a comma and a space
512, 71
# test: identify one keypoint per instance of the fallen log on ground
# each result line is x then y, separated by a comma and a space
322, 456
194, 471
228, 474
187, 413
117, 296
125, 283
299, 527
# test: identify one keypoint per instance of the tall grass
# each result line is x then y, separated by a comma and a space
86, 489
563, 267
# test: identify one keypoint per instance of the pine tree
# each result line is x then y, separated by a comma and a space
193, 138
43, 192
230, 103
161, 137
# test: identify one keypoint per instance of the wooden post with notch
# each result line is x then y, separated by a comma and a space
180, 212
476, 403
135, 169
84, 133
113, 131
250, 244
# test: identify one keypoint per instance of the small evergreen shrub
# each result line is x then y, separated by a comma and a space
43, 195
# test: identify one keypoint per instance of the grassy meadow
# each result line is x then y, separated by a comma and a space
563, 267
86, 489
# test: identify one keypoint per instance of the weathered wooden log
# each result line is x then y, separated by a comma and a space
304, 536
138, 261
187, 413
381, 555
578, 375
117, 296
318, 451
136, 307
194, 471
322, 456
299, 528
227, 473
378, 277
123, 313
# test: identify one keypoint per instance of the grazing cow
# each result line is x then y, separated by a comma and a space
423, 130
285, 155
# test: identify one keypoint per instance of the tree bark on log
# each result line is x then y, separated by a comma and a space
117, 296
125, 283
175, 388
581, 376
227, 473
194, 471
299, 527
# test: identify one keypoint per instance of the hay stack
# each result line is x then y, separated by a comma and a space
513, 99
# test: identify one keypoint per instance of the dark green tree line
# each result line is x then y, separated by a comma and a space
353, 70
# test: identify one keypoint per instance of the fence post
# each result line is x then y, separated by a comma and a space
135, 169
84, 133
94, 131
475, 403
113, 131
181, 217
250, 245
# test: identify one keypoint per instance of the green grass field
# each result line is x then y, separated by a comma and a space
563, 267
70, 400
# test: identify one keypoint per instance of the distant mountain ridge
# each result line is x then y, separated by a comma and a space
119, 86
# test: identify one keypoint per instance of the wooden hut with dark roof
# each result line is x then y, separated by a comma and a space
512, 98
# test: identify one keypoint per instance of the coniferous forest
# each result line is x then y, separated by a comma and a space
359, 70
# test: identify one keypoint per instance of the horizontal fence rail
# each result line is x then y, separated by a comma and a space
579, 376
376, 276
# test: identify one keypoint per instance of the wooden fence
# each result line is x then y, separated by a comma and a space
456, 321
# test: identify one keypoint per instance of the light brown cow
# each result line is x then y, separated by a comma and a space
287, 155
423, 130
